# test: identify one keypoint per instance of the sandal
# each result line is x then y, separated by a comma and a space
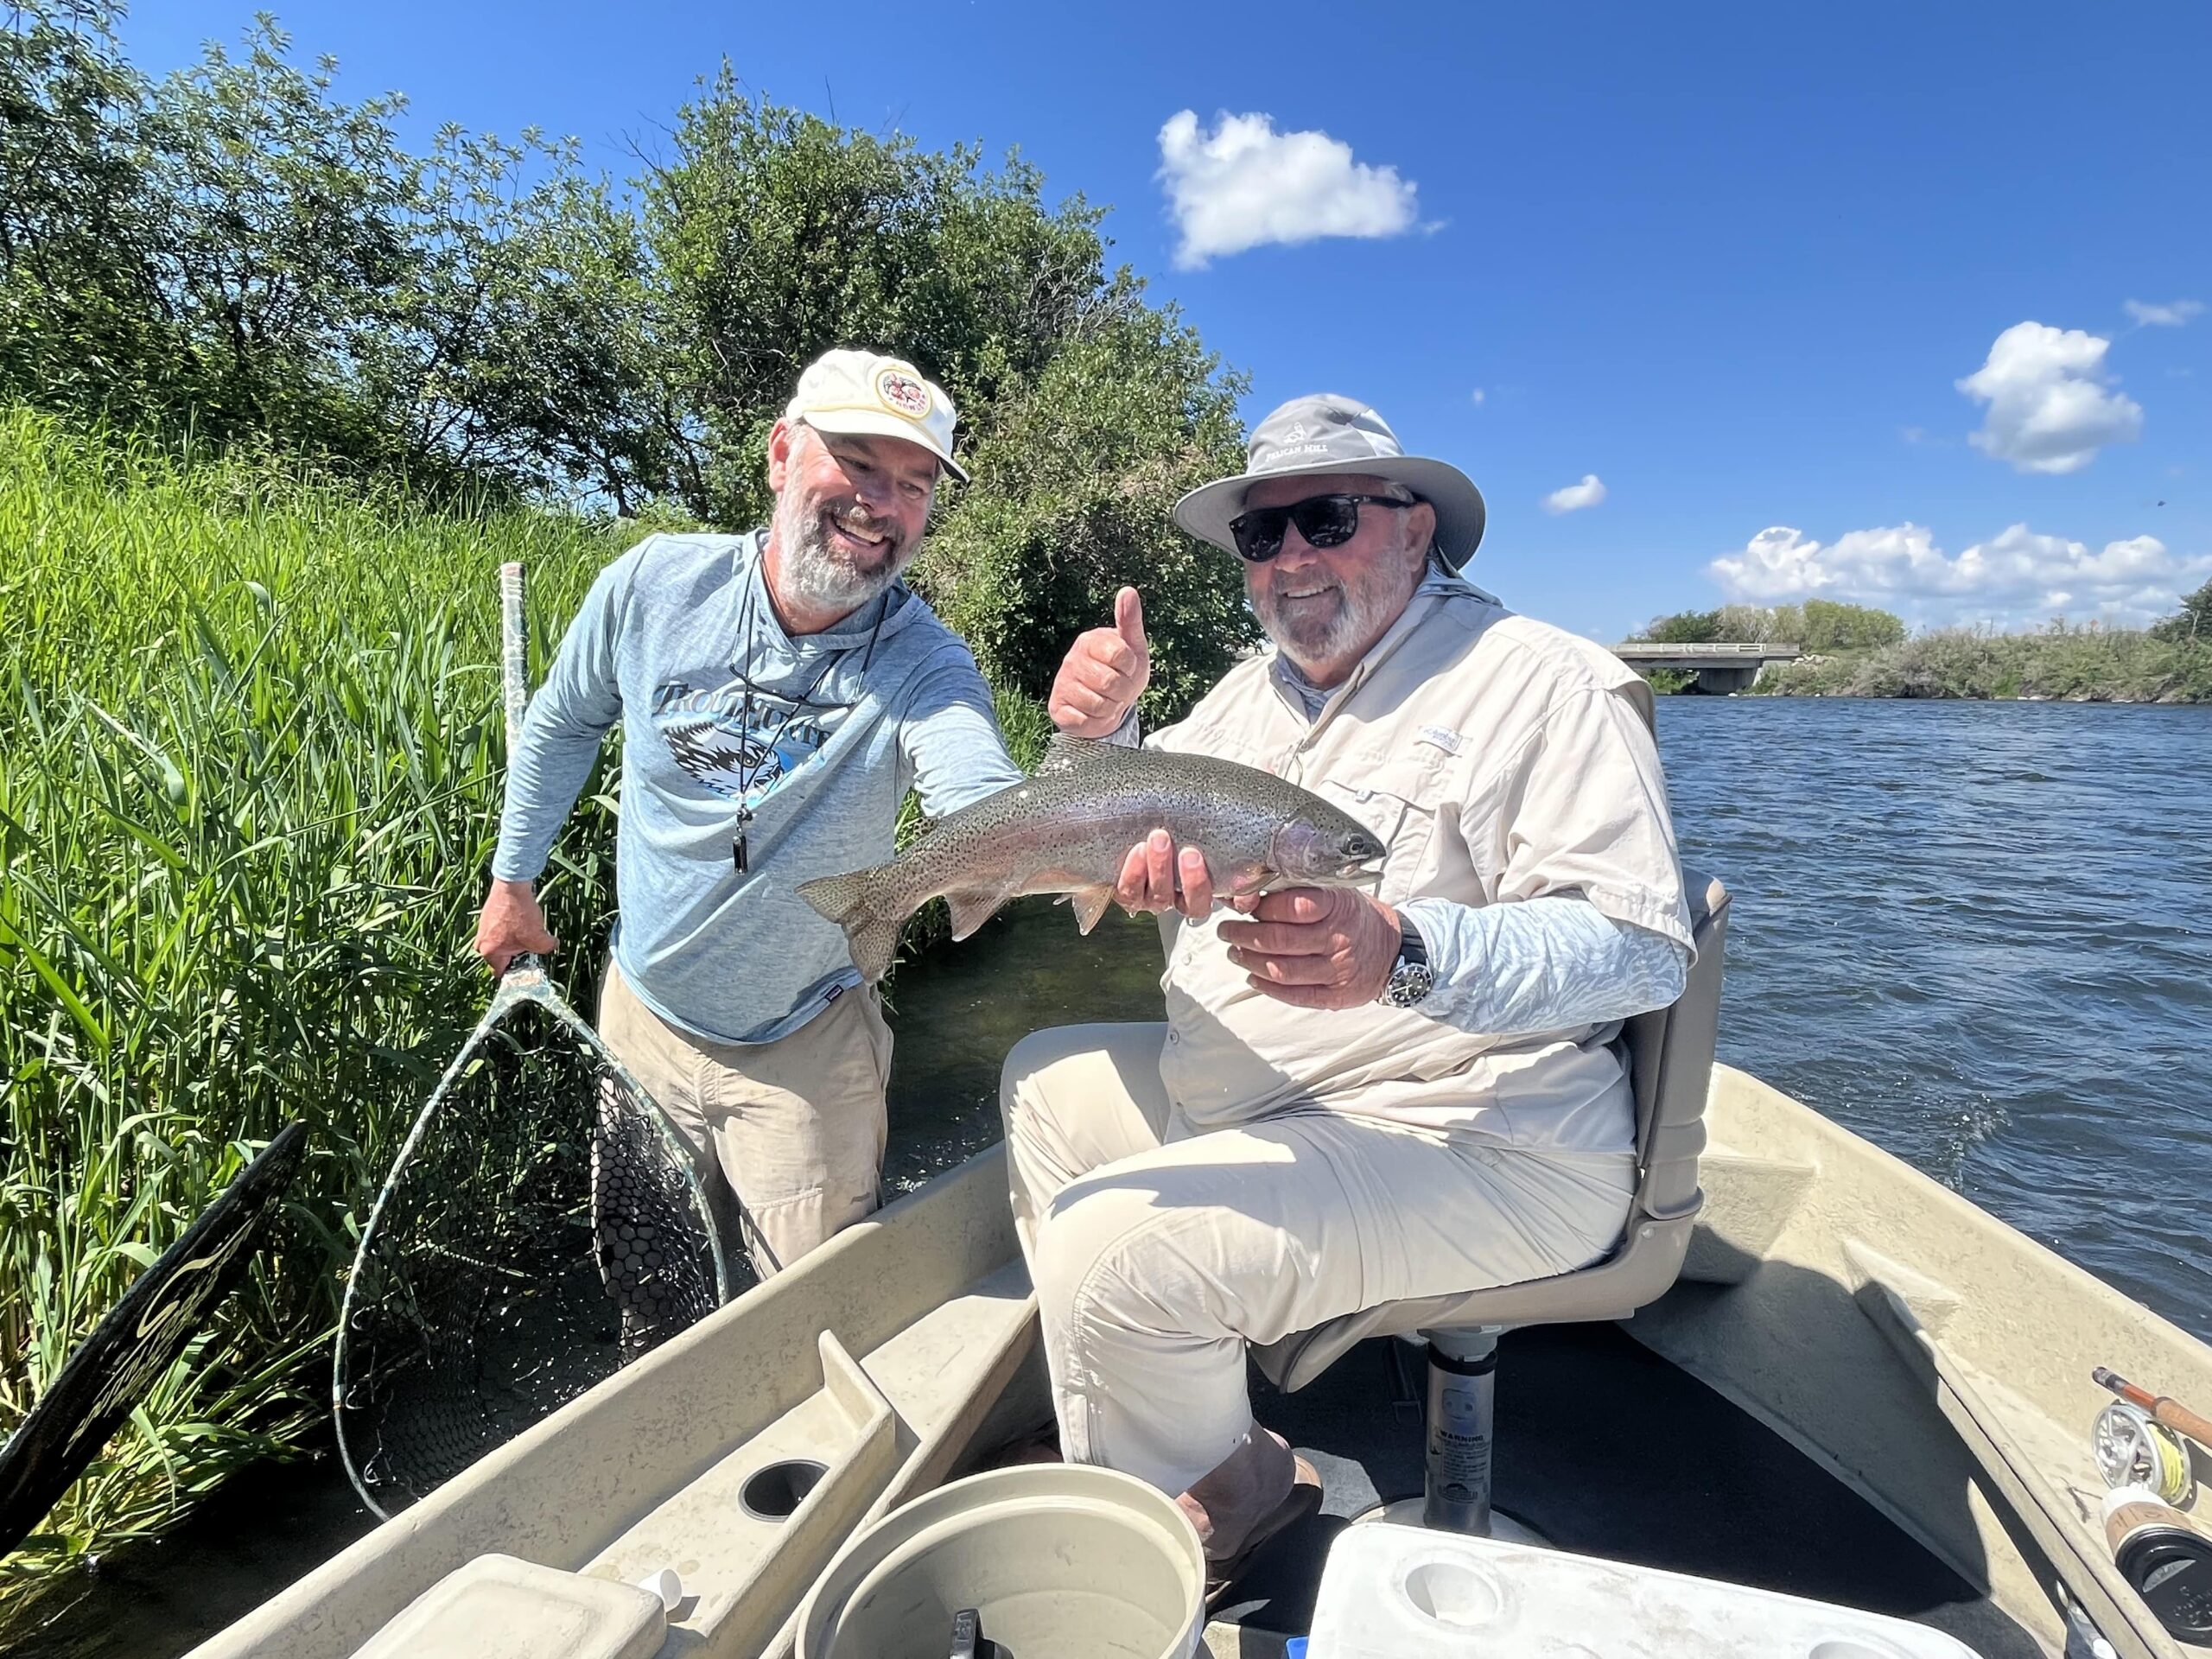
1303, 1499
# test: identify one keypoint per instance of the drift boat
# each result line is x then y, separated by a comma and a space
1846, 1383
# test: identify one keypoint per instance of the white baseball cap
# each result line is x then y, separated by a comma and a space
882, 396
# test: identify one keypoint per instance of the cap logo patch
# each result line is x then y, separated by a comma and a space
902, 394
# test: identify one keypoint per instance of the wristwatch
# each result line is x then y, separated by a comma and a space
1412, 978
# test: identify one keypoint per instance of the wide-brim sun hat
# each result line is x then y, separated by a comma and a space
1326, 433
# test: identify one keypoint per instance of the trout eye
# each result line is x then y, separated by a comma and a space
1360, 846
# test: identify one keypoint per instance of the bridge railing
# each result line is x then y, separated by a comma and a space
1647, 650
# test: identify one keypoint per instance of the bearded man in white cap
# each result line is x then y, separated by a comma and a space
778, 693
1357, 1097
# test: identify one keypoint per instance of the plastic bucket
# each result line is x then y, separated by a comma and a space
1062, 1562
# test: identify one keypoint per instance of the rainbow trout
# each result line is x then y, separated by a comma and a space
1067, 829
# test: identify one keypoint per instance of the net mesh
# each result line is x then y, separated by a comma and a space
544, 1233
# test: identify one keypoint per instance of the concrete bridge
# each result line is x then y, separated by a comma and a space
1718, 667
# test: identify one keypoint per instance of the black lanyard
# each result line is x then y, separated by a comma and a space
750, 774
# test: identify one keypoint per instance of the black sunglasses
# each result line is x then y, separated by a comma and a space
1323, 520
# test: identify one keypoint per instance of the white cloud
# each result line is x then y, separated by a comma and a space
1575, 497
2171, 315
1480, 395
1245, 185
2050, 407
2015, 576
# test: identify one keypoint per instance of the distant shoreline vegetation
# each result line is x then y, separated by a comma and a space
1856, 651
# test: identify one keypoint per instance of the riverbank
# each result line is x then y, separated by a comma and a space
252, 738
1852, 651
2057, 664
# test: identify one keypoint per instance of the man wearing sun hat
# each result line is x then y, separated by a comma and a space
1357, 1097
778, 693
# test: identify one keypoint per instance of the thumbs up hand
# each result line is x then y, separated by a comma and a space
1105, 670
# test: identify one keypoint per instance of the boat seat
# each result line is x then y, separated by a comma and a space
1670, 1068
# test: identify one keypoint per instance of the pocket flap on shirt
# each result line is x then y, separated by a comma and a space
1397, 800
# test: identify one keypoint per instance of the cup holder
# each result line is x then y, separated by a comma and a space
1453, 1594
772, 1492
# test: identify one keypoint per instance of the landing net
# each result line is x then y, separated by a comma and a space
542, 1228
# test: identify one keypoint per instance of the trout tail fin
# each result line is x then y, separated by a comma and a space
861, 903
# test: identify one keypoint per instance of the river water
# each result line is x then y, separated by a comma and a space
1978, 934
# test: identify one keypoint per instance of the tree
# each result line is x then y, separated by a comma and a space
82, 320
520, 349
1083, 411
1683, 628
236, 253
776, 236
1072, 496
2193, 622
1818, 626
1832, 626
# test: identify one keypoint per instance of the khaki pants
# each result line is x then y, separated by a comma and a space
796, 1126
1157, 1259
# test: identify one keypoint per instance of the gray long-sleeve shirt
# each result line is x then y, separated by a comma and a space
722, 713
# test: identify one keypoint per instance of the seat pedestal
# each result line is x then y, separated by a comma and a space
1457, 1442
1407, 1512
1462, 1403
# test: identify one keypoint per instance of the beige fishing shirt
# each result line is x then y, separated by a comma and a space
1499, 759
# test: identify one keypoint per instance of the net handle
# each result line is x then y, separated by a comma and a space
514, 654
514, 684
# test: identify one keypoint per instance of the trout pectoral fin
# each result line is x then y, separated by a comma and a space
971, 910
1089, 905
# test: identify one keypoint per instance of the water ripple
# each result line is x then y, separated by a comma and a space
1978, 935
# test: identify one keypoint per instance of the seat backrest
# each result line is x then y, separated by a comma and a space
1670, 1064
1670, 1069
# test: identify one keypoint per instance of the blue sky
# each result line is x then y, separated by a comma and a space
1731, 262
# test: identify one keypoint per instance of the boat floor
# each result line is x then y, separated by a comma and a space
1606, 1450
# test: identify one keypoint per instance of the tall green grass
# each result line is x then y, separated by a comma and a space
250, 768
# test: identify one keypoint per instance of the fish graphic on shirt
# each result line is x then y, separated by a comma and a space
710, 740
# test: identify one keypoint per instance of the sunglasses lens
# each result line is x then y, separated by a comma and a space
1258, 534
1327, 520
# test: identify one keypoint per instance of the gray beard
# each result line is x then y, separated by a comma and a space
1364, 613
1361, 616
814, 574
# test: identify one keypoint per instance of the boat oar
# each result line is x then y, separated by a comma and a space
165, 1307
2162, 1407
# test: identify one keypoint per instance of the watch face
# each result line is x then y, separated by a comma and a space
1410, 982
